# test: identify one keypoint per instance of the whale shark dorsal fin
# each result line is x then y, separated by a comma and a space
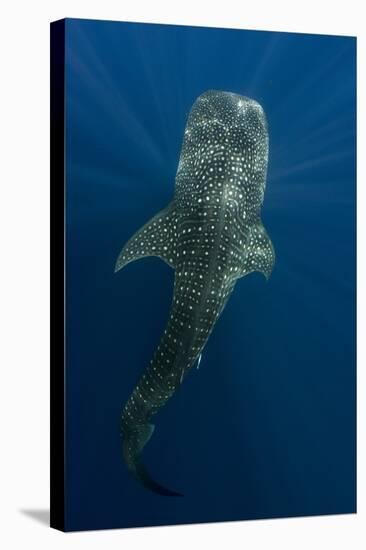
259, 253
156, 238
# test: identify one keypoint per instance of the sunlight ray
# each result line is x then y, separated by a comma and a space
326, 133
116, 107
153, 83
273, 48
310, 163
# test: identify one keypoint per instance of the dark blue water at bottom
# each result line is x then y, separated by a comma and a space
266, 427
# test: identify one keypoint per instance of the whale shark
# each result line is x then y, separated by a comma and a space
211, 234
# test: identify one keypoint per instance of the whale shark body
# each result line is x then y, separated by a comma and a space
211, 234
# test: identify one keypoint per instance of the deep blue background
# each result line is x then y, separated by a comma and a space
266, 426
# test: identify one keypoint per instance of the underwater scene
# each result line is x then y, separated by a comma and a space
210, 274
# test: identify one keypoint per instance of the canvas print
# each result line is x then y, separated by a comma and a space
214, 379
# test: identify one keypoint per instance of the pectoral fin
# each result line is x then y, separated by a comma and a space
259, 254
156, 238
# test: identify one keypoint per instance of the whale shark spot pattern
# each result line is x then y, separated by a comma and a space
211, 234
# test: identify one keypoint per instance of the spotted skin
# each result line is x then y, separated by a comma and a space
211, 234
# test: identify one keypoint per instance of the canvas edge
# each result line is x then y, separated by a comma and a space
57, 269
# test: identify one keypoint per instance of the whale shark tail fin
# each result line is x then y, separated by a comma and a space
133, 444
142, 475
156, 238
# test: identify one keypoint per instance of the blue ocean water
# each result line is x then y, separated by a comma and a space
266, 427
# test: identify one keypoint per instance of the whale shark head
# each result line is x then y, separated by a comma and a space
227, 133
